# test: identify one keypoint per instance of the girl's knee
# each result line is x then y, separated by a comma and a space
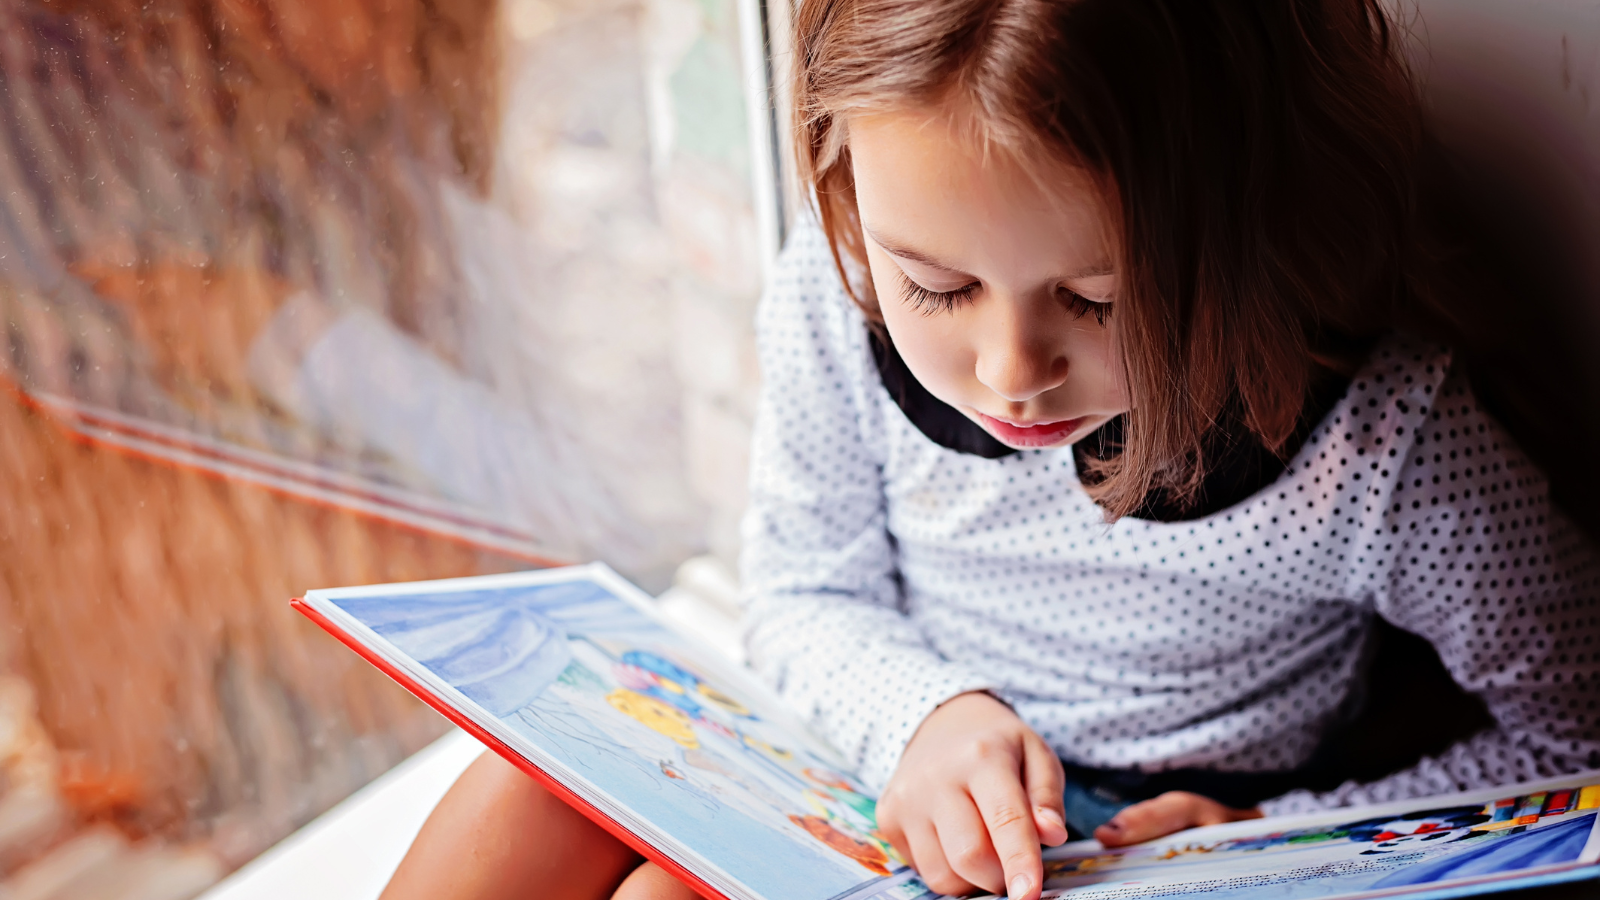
508, 806
492, 772
651, 882
516, 833
495, 783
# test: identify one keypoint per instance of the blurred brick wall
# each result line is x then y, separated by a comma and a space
147, 605
171, 173
545, 204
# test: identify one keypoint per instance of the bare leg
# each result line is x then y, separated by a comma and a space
650, 882
499, 835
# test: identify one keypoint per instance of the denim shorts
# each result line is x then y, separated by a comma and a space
1088, 807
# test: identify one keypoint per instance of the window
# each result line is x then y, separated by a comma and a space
301, 294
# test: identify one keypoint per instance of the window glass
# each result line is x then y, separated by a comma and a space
300, 294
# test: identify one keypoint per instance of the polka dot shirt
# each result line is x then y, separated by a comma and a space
886, 574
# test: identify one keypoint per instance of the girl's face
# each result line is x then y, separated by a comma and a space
998, 299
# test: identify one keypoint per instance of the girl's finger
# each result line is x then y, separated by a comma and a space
1045, 781
1163, 815
1170, 812
1008, 815
964, 840
927, 857
889, 828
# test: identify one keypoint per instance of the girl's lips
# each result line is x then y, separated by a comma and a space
1044, 434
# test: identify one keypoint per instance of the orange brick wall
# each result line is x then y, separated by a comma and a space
148, 606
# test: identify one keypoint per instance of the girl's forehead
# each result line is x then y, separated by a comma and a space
924, 181
946, 140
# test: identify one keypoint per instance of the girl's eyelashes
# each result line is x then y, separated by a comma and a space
930, 302
1082, 306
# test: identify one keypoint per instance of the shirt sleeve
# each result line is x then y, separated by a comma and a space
825, 622
1505, 588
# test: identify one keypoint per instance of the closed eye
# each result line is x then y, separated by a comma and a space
930, 302
1082, 306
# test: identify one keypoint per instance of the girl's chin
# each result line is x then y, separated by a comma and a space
1033, 437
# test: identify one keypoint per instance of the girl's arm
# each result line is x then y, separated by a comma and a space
1508, 591
977, 791
824, 618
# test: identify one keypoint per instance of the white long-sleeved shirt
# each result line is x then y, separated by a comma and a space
886, 574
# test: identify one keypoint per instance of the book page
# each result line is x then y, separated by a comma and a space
1396, 849
569, 667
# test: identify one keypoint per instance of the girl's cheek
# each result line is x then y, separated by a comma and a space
1103, 353
934, 347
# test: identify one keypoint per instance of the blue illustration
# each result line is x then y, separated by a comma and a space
1556, 844
1540, 834
501, 648
595, 684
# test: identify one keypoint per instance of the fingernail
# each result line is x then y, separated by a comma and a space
1049, 816
1020, 886
1112, 825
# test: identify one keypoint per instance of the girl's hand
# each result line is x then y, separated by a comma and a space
975, 794
1163, 815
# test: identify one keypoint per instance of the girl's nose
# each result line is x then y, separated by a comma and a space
1018, 362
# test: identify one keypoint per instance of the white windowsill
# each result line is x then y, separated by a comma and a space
349, 852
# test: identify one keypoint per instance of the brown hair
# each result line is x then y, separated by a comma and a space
1259, 158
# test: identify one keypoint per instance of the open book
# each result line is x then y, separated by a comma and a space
569, 674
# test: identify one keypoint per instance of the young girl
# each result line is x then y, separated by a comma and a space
1102, 442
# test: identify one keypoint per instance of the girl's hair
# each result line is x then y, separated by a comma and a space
1259, 159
